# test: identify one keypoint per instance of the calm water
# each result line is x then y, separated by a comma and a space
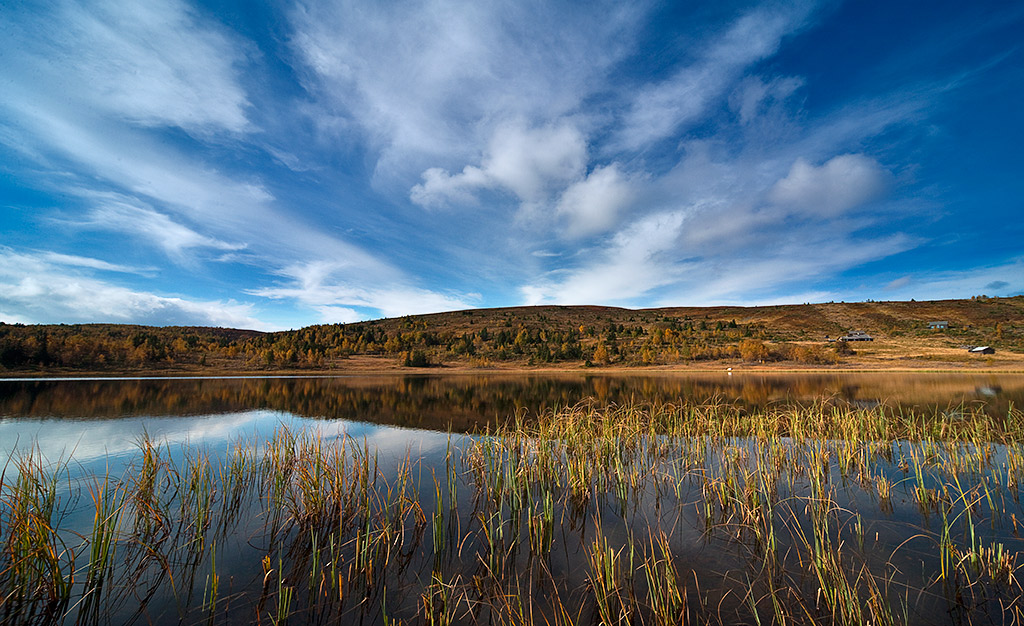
91, 418
95, 425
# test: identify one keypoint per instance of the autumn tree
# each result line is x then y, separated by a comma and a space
752, 350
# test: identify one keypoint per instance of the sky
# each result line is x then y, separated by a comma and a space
271, 165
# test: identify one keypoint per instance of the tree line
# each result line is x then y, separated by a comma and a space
410, 341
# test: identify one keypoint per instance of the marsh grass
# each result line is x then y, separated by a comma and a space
37, 567
590, 514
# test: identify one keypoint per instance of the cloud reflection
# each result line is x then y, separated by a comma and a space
114, 442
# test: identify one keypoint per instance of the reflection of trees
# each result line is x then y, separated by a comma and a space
468, 402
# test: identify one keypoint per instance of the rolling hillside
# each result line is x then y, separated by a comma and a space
564, 337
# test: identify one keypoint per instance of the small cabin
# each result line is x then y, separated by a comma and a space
938, 325
982, 350
856, 335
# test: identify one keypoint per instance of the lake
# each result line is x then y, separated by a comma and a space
98, 416
438, 499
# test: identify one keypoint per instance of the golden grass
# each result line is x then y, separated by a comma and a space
585, 515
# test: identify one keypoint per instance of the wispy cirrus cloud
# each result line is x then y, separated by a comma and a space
148, 64
658, 110
647, 263
118, 213
549, 168
755, 94
74, 260
95, 94
327, 288
44, 287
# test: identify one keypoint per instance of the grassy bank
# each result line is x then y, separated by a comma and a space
643, 514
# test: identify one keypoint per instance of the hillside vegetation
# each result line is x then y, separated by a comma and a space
553, 336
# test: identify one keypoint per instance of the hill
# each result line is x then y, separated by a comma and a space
564, 337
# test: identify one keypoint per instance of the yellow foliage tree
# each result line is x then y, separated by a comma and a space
753, 350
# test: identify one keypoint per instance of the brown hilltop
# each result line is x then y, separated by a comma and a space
548, 337
788, 321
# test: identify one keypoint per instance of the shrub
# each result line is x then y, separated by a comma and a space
843, 348
415, 358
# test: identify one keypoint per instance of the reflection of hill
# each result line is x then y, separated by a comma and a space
470, 401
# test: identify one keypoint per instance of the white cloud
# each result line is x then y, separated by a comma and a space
49, 288
640, 258
532, 163
593, 204
736, 240
338, 315
12, 318
136, 162
88, 90
931, 285
719, 247
542, 167
847, 127
440, 189
833, 188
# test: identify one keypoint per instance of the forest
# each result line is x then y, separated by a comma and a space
520, 336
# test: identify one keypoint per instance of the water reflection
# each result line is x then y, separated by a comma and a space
96, 419
886, 505
469, 402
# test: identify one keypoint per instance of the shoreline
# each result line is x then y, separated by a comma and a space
380, 369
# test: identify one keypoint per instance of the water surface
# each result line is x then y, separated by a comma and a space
93, 428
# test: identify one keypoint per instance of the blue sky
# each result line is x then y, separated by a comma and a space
274, 165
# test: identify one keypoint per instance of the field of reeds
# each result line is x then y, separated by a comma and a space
587, 515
